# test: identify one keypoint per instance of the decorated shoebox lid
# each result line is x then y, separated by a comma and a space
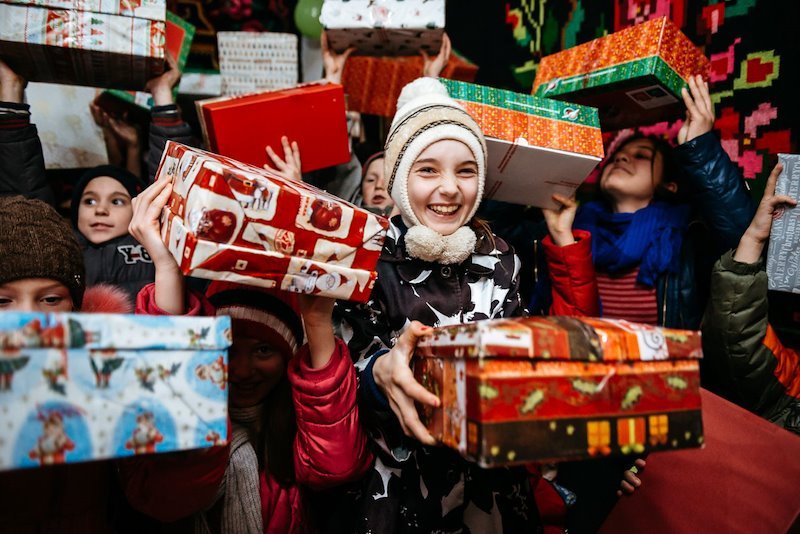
633, 77
253, 61
384, 27
141, 9
51, 45
537, 147
550, 388
78, 387
312, 115
227, 220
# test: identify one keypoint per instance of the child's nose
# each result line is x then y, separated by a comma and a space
448, 184
621, 156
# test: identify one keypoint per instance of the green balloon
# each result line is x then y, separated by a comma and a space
306, 18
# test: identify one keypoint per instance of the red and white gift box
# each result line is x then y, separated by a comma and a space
227, 220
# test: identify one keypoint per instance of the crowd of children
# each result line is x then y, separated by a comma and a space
324, 432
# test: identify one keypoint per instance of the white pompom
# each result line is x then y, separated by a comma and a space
419, 88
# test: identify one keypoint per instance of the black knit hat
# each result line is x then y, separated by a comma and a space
129, 181
36, 242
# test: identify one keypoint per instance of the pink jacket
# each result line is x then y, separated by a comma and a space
330, 446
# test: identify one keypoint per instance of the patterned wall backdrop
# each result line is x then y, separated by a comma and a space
752, 45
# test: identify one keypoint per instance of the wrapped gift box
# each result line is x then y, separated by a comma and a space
313, 115
552, 388
251, 61
78, 387
227, 220
81, 47
634, 76
384, 27
140, 9
373, 84
537, 147
783, 256
179, 35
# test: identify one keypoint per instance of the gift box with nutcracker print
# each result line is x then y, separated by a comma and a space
136, 105
537, 147
384, 27
77, 47
78, 387
633, 77
373, 84
250, 61
227, 220
313, 115
553, 388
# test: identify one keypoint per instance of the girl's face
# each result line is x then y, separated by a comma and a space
633, 173
373, 187
105, 210
35, 295
443, 186
255, 368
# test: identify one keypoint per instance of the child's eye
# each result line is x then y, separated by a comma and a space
263, 352
5, 301
119, 202
89, 201
641, 155
467, 172
52, 300
426, 170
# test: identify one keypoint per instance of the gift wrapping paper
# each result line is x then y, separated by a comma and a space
384, 27
642, 68
373, 84
141, 9
312, 115
251, 61
81, 47
78, 387
227, 220
562, 142
561, 388
783, 256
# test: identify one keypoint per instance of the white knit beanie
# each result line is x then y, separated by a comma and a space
426, 114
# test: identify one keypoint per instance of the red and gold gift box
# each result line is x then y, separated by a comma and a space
561, 388
313, 115
227, 220
633, 77
81, 47
373, 84
561, 141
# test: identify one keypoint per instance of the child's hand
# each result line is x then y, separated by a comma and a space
630, 480
145, 225
752, 243
290, 168
317, 314
699, 110
162, 85
332, 62
12, 85
393, 375
433, 66
559, 222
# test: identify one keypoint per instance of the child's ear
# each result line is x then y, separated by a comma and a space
672, 187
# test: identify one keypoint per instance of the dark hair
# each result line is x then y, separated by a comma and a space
278, 429
672, 171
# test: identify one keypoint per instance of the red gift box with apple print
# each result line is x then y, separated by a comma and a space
228, 220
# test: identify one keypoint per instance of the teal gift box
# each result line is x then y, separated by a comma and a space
79, 387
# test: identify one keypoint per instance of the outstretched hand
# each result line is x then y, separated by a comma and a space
333, 62
394, 377
162, 85
434, 65
559, 221
145, 225
771, 207
699, 110
286, 168
630, 479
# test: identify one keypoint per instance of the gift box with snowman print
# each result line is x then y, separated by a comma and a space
227, 220
79, 387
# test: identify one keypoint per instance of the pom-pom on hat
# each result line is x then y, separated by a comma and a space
425, 115
36, 242
260, 313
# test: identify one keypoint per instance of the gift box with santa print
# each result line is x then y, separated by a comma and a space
537, 147
560, 388
227, 220
79, 387
76, 47
633, 77
312, 115
384, 27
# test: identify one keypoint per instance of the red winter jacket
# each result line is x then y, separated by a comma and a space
330, 447
572, 276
